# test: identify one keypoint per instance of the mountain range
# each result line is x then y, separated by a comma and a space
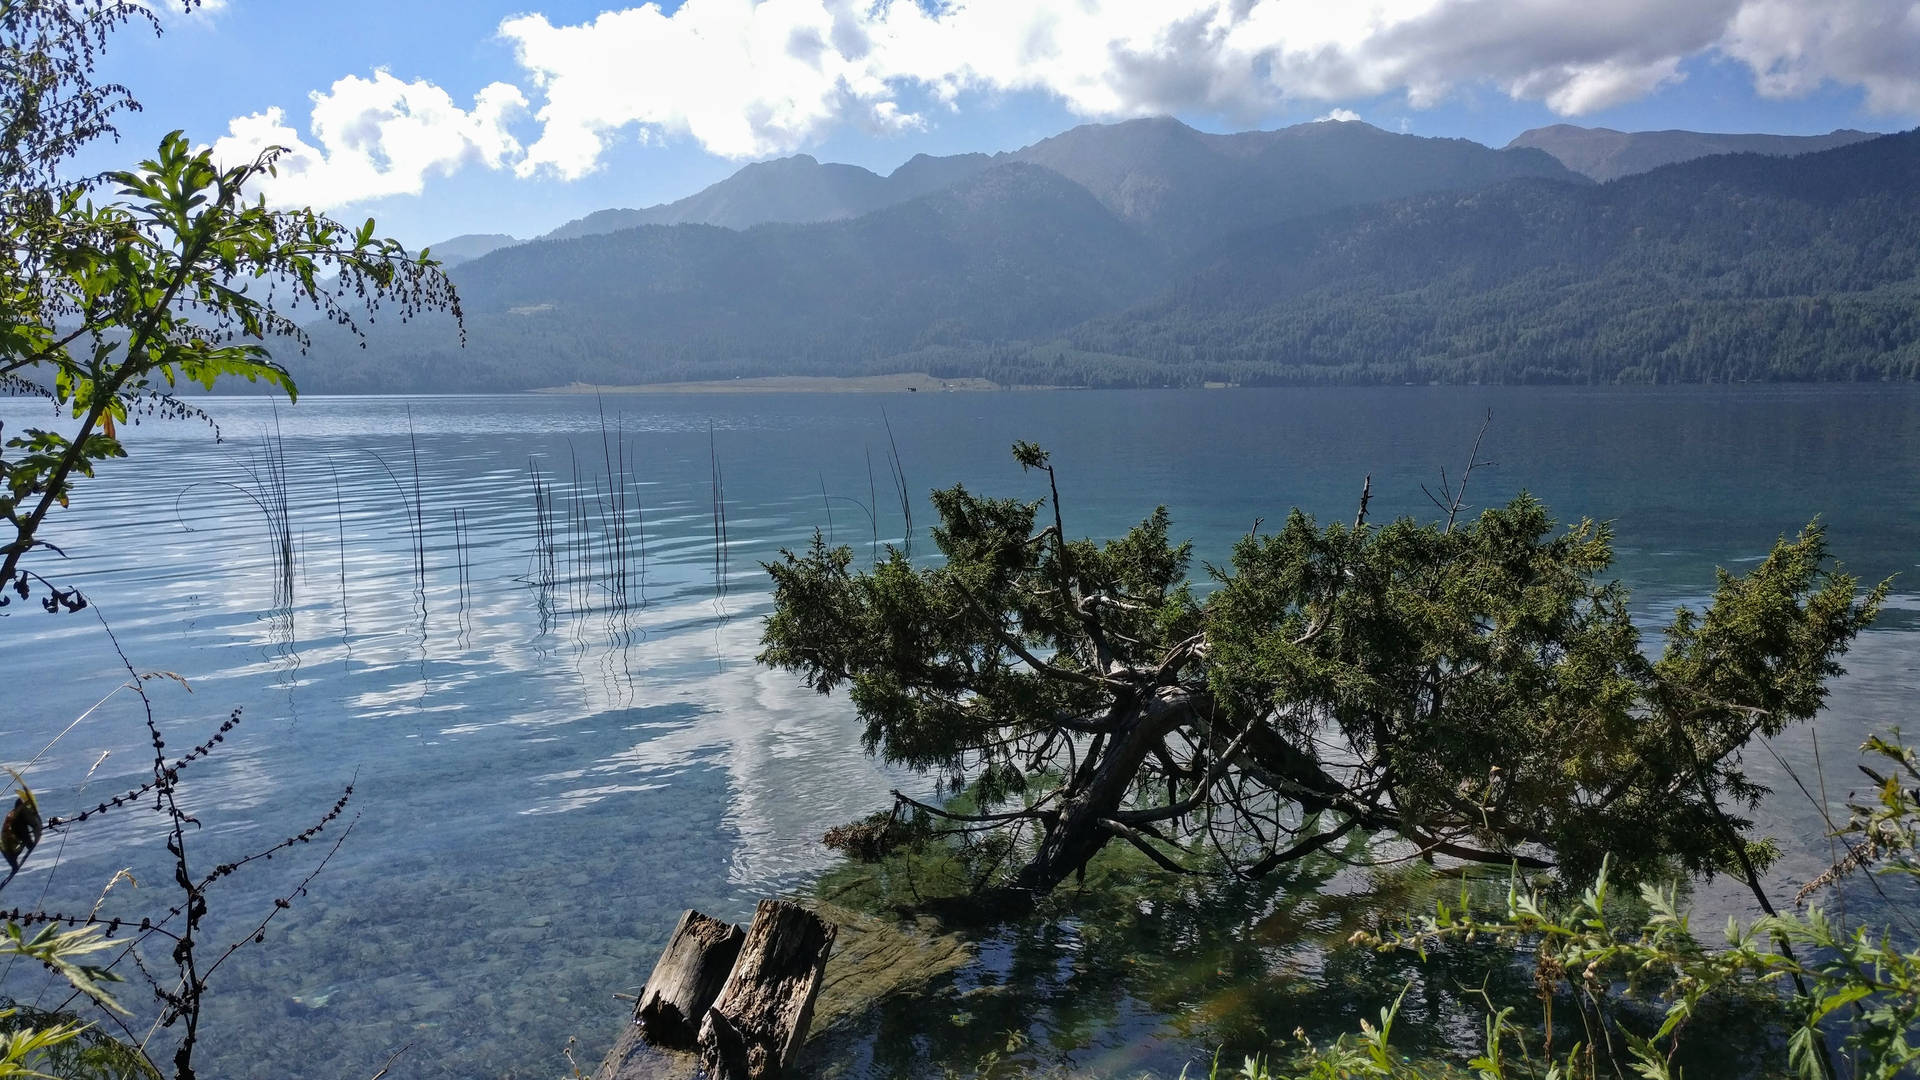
1149, 253
800, 189
1180, 185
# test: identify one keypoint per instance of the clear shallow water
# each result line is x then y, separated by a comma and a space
545, 779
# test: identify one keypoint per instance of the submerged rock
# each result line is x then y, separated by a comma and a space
875, 957
314, 1002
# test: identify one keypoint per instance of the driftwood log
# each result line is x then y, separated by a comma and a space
742, 1000
754, 1030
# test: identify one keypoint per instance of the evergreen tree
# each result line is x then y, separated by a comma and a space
1471, 687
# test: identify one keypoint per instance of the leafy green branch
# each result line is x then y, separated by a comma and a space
26, 1047
182, 277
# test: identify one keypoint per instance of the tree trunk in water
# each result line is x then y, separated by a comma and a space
1075, 837
1077, 834
754, 1030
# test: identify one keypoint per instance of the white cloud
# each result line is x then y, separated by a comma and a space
742, 78
749, 78
376, 137
1339, 116
1794, 47
177, 10
745, 78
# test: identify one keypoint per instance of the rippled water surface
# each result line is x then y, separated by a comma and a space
550, 761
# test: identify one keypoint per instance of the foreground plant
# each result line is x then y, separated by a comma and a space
168, 946
29, 1045
1854, 1002
115, 287
1471, 687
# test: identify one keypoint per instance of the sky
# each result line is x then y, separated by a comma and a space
443, 117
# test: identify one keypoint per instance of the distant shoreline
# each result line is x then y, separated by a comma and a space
911, 382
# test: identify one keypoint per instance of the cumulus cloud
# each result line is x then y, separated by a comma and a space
745, 78
749, 78
742, 78
376, 137
1339, 116
1794, 47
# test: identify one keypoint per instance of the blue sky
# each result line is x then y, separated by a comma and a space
440, 118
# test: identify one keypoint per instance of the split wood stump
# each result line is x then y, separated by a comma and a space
687, 979
726, 1005
754, 1030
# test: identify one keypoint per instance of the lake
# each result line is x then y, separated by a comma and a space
552, 756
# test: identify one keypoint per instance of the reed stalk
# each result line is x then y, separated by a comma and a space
900, 487
719, 495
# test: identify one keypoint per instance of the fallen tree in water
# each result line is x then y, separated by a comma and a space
1470, 686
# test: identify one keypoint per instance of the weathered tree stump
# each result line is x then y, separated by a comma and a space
753, 1031
658, 1044
743, 1001
687, 979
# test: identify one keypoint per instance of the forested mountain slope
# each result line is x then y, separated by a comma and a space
1728, 267
1734, 267
1015, 253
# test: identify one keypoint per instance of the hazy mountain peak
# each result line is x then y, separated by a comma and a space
1151, 123
923, 162
791, 162
1118, 132
924, 174
1605, 154
1187, 188
459, 249
790, 189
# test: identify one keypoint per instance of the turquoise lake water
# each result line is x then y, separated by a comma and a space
546, 775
